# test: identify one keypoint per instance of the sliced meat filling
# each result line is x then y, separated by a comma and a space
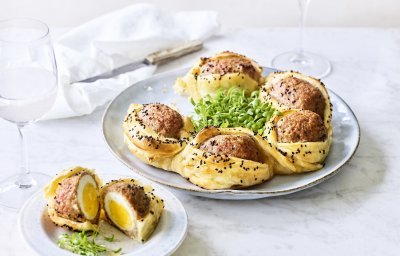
135, 195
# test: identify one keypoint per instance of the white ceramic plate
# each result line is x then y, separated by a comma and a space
41, 234
346, 136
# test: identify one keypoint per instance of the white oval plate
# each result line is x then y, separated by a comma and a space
346, 136
41, 234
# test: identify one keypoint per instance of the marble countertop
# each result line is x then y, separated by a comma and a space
356, 212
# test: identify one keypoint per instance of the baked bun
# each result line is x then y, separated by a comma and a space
155, 133
299, 141
224, 158
73, 199
293, 90
220, 72
132, 208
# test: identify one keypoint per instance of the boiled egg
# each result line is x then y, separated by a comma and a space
132, 208
88, 196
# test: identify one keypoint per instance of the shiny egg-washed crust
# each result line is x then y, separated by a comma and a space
198, 85
145, 226
148, 145
301, 156
295, 157
50, 193
220, 171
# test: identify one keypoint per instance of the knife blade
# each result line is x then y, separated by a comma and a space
151, 59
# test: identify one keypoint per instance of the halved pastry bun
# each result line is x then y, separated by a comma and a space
197, 84
82, 196
123, 208
213, 171
295, 157
276, 77
149, 146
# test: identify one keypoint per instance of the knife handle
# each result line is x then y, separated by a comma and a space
173, 53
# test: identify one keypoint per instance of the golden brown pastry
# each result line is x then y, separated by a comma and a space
298, 140
224, 158
73, 199
132, 208
220, 72
155, 133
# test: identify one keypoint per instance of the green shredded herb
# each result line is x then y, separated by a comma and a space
109, 239
83, 243
232, 109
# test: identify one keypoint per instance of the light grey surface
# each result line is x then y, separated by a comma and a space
353, 213
41, 234
260, 13
346, 135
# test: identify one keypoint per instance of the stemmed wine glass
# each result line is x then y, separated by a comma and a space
300, 60
28, 88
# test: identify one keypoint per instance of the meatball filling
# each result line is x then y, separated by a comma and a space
301, 126
162, 119
240, 146
234, 64
297, 93
135, 195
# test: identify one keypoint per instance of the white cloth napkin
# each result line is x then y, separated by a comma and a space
113, 40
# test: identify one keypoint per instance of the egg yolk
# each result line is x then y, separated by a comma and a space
119, 215
90, 200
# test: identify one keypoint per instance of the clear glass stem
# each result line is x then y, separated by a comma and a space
25, 179
300, 59
303, 6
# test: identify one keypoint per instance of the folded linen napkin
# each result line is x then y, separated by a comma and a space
113, 40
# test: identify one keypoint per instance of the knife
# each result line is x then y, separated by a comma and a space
151, 59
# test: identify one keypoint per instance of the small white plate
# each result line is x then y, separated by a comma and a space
41, 234
346, 136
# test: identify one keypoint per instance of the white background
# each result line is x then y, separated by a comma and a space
233, 13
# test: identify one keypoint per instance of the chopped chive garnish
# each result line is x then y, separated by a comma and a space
109, 239
83, 243
232, 108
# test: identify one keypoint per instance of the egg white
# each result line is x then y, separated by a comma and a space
83, 181
120, 199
